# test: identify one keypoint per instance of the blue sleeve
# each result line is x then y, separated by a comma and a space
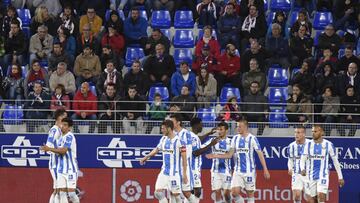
72, 46
174, 89
144, 26
192, 83
68, 141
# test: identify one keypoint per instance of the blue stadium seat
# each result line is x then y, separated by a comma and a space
227, 92
183, 39
322, 19
278, 95
161, 19
163, 91
270, 17
167, 33
120, 12
266, 5
293, 16
182, 55
278, 119
143, 14
13, 115
93, 89
280, 5
208, 116
133, 54
183, 19
277, 76
6, 3
341, 53
25, 16
27, 32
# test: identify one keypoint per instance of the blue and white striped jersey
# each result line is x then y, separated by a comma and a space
185, 137
53, 136
171, 150
196, 160
317, 155
295, 152
67, 163
222, 147
244, 153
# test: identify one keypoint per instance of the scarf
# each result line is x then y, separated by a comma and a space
58, 100
110, 78
249, 23
15, 76
35, 76
207, 39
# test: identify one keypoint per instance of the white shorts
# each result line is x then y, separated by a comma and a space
197, 178
67, 180
171, 183
220, 181
317, 186
54, 174
299, 182
247, 181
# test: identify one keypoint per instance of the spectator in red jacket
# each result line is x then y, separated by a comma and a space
228, 68
85, 106
205, 59
114, 39
208, 39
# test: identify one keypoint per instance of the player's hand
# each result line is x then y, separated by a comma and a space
214, 141
210, 156
213, 131
290, 172
44, 148
185, 179
341, 182
266, 174
303, 173
143, 160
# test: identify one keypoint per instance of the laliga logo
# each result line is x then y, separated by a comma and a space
130, 191
21, 152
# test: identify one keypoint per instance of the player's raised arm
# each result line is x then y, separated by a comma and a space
213, 131
304, 157
227, 155
336, 163
202, 150
290, 163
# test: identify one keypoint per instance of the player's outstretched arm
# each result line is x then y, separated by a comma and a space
336, 163
184, 164
147, 157
208, 134
290, 164
60, 150
263, 164
303, 159
227, 155
204, 149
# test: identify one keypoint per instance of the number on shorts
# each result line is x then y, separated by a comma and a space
323, 181
196, 176
173, 182
293, 179
249, 179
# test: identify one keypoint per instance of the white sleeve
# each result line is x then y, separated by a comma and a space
255, 144
233, 144
304, 156
335, 160
160, 143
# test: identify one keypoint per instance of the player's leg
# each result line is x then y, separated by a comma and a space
311, 192
296, 187
197, 185
250, 182
175, 190
71, 188
237, 183
61, 182
216, 186
197, 193
160, 188
322, 190
187, 187
53, 195
227, 196
175, 198
226, 186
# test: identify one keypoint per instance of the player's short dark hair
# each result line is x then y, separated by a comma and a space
168, 124
242, 120
177, 117
195, 121
221, 124
59, 112
68, 120
318, 126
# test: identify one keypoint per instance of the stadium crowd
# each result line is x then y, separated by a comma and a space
71, 54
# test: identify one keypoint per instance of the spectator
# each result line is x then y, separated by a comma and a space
280, 18
208, 13
64, 77
325, 78
13, 84
208, 39
168, 5
87, 38
87, 66
115, 40
85, 106
206, 86
117, 21
160, 67
100, 5
182, 77
135, 28
185, 103
330, 39
255, 101
130, 111
59, 99
143, 4
53, 6
110, 76
277, 47
40, 44
246, 4
57, 56
137, 77
43, 18
69, 20
11, 15
234, 2
254, 74
302, 19
228, 68
301, 46
327, 56
108, 55
229, 27
205, 60
230, 112
94, 21
304, 78
349, 105
37, 74
109, 106
156, 38
298, 107
351, 77
345, 13
36, 107
253, 27
15, 45
157, 110
345, 60
256, 51
67, 41
330, 108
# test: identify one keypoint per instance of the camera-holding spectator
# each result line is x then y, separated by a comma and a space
349, 106
208, 40
208, 13
85, 106
94, 21
298, 107
36, 74
13, 84
59, 99
137, 77
135, 28
205, 60
206, 86
230, 111
40, 44
182, 77
110, 76
87, 66
15, 45
185, 102
229, 27
57, 56
155, 38
254, 74
64, 77
43, 18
